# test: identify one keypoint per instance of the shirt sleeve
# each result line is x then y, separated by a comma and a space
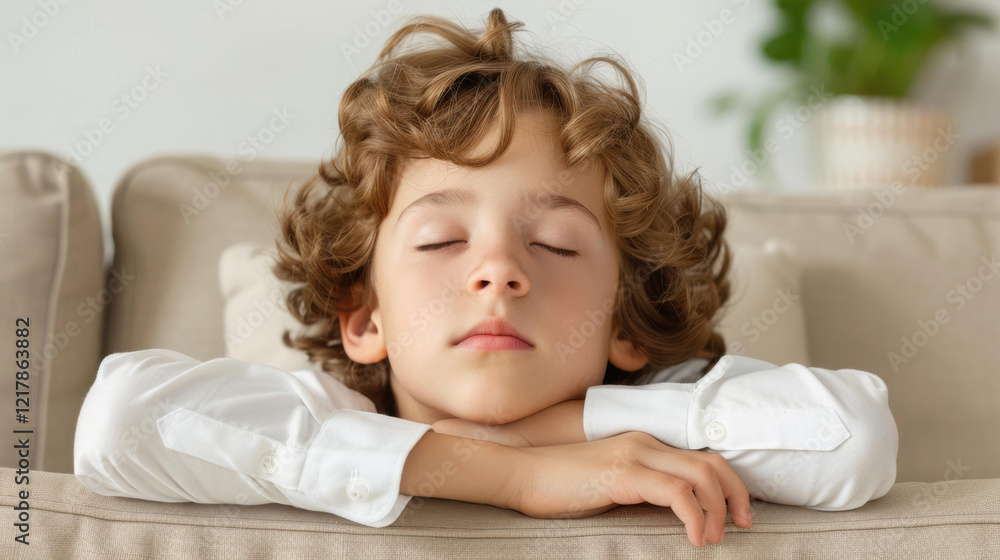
160, 425
796, 435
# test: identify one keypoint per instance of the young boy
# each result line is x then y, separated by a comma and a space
498, 252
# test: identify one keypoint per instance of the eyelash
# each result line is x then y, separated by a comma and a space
561, 252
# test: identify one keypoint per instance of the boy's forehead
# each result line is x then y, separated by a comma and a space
465, 196
534, 188
533, 169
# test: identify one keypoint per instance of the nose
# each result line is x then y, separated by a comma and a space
500, 273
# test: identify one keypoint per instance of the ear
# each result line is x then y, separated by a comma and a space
624, 355
363, 336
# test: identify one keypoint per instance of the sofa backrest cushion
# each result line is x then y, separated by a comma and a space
52, 273
172, 217
903, 283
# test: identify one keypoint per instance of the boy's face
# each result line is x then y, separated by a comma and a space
498, 266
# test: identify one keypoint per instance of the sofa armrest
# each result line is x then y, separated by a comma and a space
52, 273
959, 517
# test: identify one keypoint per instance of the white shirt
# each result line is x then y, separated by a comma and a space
160, 425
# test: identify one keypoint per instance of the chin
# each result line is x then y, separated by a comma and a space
486, 413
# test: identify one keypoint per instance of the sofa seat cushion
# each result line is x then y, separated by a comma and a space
959, 517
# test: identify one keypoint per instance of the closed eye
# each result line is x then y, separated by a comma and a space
561, 252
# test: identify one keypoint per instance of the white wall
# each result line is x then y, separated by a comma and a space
224, 73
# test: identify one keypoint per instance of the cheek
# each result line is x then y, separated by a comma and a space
582, 298
415, 317
413, 289
584, 311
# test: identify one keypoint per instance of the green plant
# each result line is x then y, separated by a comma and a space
878, 50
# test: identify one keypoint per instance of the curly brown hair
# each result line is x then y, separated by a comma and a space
439, 102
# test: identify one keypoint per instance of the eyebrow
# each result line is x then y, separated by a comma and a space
461, 196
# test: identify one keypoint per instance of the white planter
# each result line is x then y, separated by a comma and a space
865, 142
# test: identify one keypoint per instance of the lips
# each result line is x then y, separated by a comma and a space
494, 332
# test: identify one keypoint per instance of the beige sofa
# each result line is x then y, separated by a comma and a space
873, 269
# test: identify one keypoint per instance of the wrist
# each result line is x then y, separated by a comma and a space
463, 469
560, 424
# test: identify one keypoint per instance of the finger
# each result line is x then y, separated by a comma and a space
701, 474
662, 489
709, 492
735, 491
733, 488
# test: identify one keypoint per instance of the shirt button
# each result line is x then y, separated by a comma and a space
268, 463
357, 489
715, 431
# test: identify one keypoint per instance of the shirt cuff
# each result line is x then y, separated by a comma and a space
660, 410
355, 465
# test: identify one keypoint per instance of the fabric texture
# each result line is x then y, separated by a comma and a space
905, 285
172, 218
946, 520
255, 312
52, 273
765, 318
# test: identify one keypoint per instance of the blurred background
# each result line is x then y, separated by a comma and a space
755, 94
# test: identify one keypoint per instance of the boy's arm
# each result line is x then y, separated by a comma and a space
458, 468
812, 437
795, 435
558, 424
160, 425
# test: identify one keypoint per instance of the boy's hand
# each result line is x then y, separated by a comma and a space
585, 479
558, 424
